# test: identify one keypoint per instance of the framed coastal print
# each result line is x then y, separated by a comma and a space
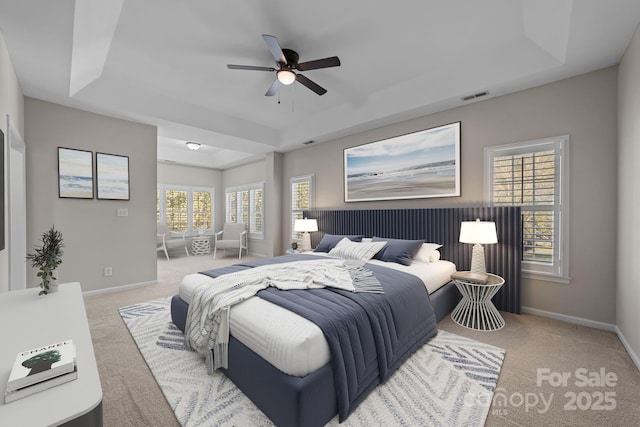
416, 165
75, 173
112, 172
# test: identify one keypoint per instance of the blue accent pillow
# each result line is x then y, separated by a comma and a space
398, 250
329, 241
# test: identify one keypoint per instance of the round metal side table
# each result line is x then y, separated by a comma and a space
475, 310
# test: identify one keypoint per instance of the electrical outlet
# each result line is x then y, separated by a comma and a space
122, 212
108, 271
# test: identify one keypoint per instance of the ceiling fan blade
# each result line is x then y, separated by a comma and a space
273, 89
311, 85
249, 67
333, 61
274, 48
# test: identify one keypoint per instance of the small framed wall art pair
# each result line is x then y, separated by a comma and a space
75, 175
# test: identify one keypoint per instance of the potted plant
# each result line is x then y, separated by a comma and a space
47, 259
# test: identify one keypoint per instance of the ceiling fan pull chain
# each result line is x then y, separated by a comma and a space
293, 98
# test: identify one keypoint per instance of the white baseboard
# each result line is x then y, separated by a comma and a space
589, 323
571, 319
120, 288
634, 357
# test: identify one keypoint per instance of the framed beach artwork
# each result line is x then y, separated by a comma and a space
413, 166
112, 173
75, 173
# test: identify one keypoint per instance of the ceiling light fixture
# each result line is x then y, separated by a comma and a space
286, 77
192, 145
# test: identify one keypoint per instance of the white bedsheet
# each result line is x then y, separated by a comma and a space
291, 343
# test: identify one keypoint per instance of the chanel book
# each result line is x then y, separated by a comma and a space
42, 363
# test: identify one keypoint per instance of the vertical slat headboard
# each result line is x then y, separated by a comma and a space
440, 225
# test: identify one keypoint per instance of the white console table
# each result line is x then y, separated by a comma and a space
28, 321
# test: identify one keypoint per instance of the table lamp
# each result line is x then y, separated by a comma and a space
305, 226
478, 233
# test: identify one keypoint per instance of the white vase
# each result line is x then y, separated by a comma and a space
53, 283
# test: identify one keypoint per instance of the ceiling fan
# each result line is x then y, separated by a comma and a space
287, 61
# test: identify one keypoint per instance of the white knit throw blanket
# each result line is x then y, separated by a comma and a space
207, 326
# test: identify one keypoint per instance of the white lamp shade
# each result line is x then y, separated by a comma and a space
478, 232
305, 225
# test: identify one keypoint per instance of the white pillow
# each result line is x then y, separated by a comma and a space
356, 250
428, 253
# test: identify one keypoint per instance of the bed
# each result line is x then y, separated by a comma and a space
282, 361
310, 400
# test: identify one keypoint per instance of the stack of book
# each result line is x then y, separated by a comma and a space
41, 368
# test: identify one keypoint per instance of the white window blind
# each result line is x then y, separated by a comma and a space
176, 210
185, 209
201, 210
245, 204
232, 207
532, 175
301, 199
256, 200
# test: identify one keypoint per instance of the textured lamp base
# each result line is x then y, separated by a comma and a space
477, 260
305, 244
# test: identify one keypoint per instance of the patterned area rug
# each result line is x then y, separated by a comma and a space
448, 382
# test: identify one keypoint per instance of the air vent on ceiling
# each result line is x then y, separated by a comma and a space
475, 96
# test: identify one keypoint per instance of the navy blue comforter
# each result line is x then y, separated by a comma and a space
369, 335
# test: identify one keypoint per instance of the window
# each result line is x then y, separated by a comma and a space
534, 176
301, 199
185, 209
176, 210
201, 202
246, 204
257, 201
232, 207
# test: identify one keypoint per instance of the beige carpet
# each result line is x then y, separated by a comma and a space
131, 396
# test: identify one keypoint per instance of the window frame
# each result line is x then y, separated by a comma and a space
294, 212
250, 189
161, 191
558, 270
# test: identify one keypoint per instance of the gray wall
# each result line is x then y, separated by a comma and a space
11, 103
196, 177
628, 286
583, 107
273, 213
94, 236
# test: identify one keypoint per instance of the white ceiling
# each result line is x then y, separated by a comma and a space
163, 62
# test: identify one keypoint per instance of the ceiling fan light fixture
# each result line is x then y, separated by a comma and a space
192, 145
286, 77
